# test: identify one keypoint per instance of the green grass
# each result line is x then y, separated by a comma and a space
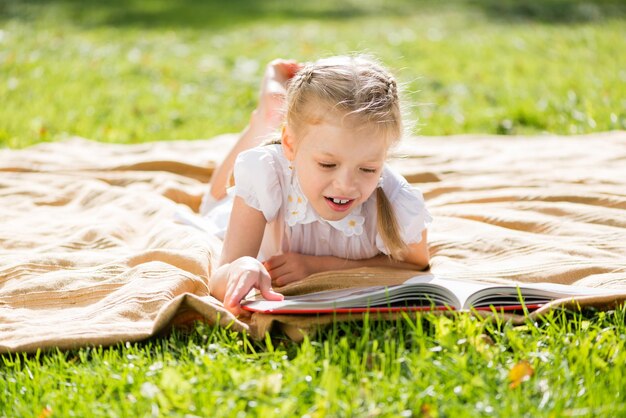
132, 71
430, 366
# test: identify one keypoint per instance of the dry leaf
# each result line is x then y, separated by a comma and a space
425, 411
45, 413
520, 373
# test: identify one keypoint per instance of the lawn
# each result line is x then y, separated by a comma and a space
137, 71
431, 366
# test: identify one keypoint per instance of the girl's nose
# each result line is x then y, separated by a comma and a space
344, 183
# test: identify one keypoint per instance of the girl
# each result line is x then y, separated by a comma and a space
322, 197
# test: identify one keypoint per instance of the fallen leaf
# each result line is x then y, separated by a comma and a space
521, 372
45, 413
425, 411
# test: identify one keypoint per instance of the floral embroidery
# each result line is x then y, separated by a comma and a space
296, 207
350, 225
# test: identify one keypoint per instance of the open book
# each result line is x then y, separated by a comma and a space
424, 292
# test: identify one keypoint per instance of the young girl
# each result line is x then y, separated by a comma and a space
322, 197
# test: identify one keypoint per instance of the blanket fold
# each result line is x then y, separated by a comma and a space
91, 253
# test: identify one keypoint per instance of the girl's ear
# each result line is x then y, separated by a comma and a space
288, 142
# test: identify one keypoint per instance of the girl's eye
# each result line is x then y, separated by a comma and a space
326, 165
368, 170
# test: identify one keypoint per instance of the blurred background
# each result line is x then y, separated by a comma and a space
145, 70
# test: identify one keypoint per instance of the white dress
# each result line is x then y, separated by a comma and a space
265, 181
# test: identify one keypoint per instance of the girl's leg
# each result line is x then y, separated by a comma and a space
264, 120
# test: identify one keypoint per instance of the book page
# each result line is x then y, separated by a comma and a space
424, 293
532, 293
461, 289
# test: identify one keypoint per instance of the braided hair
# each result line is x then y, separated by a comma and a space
360, 88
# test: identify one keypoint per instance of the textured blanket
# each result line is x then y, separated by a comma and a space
90, 252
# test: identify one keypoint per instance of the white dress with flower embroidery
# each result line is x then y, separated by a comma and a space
265, 181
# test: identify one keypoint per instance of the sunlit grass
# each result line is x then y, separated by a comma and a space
424, 366
106, 73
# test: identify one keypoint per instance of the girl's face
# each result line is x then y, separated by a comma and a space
338, 166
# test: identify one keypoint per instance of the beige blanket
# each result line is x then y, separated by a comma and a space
90, 252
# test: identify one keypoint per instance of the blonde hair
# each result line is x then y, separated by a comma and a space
361, 89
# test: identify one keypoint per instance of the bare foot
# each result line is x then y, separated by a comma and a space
265, 120
274, 90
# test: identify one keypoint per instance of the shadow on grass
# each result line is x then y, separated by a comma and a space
195, 14
552, 11
218, 14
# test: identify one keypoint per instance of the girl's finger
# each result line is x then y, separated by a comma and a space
286, 276
235, 292
279, 271
230, 286
285, 279
265, 286
276, 261
278, 281
246, 282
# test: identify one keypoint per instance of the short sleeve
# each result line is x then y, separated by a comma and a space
257, 181
409, 208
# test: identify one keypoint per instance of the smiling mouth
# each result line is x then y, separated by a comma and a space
339, 201
339, 205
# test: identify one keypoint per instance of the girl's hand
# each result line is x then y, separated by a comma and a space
244, 274
290, 267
